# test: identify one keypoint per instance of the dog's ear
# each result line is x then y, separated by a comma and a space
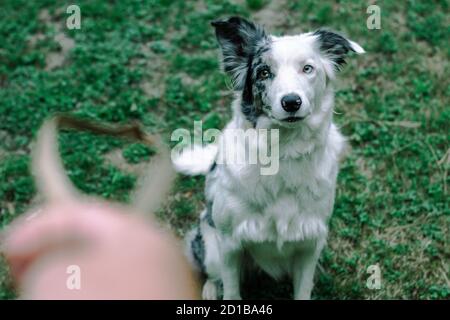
238, 39
336, 47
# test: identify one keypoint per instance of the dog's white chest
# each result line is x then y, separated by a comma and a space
291, 206
283, 221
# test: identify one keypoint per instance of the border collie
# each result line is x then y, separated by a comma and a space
277, 223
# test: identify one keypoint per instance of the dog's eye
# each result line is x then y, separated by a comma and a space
264, 74
308, 68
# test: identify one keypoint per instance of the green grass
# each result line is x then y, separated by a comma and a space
156, 62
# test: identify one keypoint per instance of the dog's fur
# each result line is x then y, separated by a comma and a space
276, 222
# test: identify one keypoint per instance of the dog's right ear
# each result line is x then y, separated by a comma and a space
238, 39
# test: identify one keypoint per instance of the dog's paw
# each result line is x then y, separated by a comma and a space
232, 297
210, 290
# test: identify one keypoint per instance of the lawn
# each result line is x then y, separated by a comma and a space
156, 61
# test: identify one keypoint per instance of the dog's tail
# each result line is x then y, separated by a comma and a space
197, 160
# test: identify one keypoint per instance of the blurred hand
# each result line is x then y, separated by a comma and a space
119, 255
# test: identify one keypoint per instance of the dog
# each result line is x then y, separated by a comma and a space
277, 223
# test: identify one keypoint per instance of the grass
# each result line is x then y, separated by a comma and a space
156, 61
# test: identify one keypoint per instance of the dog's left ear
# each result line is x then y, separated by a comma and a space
336, 47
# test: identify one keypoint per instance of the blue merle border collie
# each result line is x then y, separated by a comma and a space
277, 223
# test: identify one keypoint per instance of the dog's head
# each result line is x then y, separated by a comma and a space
281, 78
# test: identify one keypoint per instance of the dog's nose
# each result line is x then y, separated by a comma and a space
291, 102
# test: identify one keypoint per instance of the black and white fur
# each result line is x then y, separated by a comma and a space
274, 222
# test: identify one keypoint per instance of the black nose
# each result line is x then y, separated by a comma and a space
291, 102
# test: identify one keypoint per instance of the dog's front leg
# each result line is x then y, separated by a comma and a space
303, 274
231, 274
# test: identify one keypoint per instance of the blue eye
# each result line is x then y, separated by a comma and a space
308, 68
